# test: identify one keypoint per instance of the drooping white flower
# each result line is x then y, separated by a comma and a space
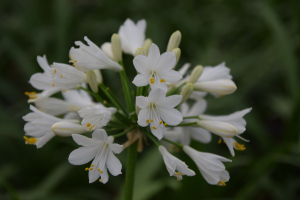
210, 166
216, 80
175, 166
101, 149
91, 57
38, 126
156, 109
184, 134
95, 117
132, 35
155, 69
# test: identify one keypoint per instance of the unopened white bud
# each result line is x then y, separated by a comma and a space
174, 41
140, 51
66, 129
186, 92
116, 47
220, 87
106, 48
98, 76
196, 73
92, 80
146, 45
177, 53
219, 128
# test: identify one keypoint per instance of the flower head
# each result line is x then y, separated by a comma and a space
100, 148
158, 111
132, 35
210, 166
155, 69
175, 166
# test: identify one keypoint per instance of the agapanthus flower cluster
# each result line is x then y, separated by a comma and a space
167, 107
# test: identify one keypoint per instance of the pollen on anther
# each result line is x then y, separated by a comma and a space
154, 127
101, 172
147, 120
91, 168
92, 165
100, 180
222, 183
54, 71
64, 90
86, 169
162, 80
220, 141
88, 125
53, 84
75, 61
151, 120
98, 169
165, 124
152, 80
61, 76
26, 93
160, 122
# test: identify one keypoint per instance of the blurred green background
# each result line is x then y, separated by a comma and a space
260, 42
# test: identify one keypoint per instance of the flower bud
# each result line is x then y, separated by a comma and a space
92, 80
66, 129
177, 53
146, 45
140, 51
219, 128
106, 48
116, 47
174, 41
98, 76
186, 92
218, 87
196, 73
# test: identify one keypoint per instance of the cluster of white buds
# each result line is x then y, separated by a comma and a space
159, 107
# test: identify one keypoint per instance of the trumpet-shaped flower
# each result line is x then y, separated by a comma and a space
38, 126
100, 148
210, 166
132, 35
95, 117
66, 129
155, 69
91, 57
158, 111
175, 166
184, 134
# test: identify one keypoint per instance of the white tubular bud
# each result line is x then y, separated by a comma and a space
220, 87
174, 41
186, 92
196, 73
140, 51
146, 45
66, 129
98, 76
177, 53
116, 47
106, 48
219, 128
92, 80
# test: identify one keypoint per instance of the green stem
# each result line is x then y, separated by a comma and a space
175, 89
96, 95
124, 132
192, 117
112, 97
130, 168
114, 129
176, 144
186, 124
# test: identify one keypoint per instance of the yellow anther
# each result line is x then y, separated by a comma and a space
61, 76
104, 102
91, 168
165, 124
98, 169
40, 109
147, 120
101, 172
86, 169
75, 61
220, 141
162, 80
54, 71
160, 122
64, 90
92, 165
26, 93
222, 183
53, 84
154, 127
90, 128
239, 147
30, 140
88, 125
151, 120
32, 97
177, 179
100, 180
152, 80
74, 65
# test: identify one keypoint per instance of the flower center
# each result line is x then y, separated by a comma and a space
154, 116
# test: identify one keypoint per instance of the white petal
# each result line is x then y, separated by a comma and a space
166, 62
171, 116
100, 134
143, 116
229, 143
113, 164
184, 68
40, 81
116, 148
141, 64
170, 101
158, 132
83, 155
200, 134
156, 95
84, 141
141, 80
170, 76
220, 128
153, 54
43, 63
142, 102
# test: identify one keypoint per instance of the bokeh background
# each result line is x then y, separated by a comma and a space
260, 42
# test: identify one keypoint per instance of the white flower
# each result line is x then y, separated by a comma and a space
175, 166
95, 117
157, 108
210, 166
33, 96
216, 80
101, 149
132, 35
38, 126
155, 69
91, 57
66, 129
184, 134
